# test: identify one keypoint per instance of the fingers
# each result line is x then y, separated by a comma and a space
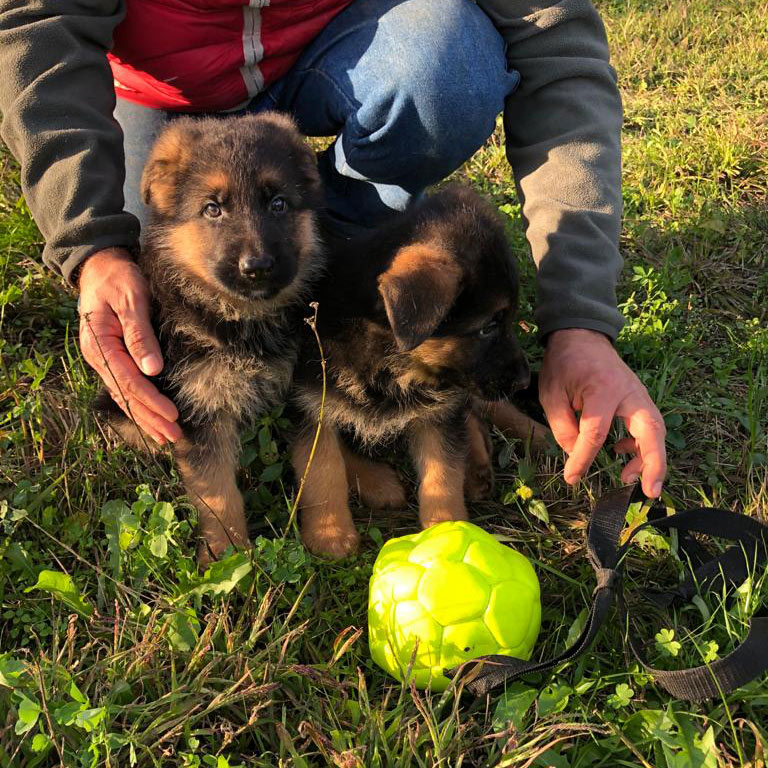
560, 417
117, 340
120, 372
581, 371
646, 426
140, 339
140, 400
148, 421
594, 425
626, 445
631, 473
105, 352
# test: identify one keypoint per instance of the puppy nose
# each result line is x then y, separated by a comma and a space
523, 377
255, 265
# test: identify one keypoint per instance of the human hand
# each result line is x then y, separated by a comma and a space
582, 371
117, 340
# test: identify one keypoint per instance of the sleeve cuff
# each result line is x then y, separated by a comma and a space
71, 264
589, 324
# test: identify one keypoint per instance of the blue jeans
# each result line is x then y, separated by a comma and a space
410, 89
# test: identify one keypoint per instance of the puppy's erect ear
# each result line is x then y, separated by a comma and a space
301, 153
169, 155
314, 184
418, 291
279, 120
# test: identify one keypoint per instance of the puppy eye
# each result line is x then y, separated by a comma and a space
488, 328
212, 210
491, 326
278, 204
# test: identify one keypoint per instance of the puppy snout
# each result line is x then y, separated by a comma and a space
522, 378
514, 376
256, 265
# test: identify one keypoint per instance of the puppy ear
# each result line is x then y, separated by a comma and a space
168, 157
418, 291
313, 182
302, 154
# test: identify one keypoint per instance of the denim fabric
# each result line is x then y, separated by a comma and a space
410, 89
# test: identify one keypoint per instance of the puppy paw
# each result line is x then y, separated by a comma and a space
335, 543
478, 483
443, 516
209, 552
541, 439
382, 489
212, 547
205, 556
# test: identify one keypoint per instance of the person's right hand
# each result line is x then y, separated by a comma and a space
117, 340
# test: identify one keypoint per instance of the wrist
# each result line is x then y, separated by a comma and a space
567, 336
101, 261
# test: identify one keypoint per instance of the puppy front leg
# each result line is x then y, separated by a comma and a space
508, 418
441, 475
327, 527
208, 466
478, 483
376, 483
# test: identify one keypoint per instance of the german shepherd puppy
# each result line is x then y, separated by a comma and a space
230, 252
414, 320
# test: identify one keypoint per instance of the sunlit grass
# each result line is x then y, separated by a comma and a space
268, 672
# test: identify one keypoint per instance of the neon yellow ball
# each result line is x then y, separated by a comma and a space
457, 592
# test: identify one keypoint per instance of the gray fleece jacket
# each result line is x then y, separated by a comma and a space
562, 140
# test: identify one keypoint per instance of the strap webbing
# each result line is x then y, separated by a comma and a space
720, 574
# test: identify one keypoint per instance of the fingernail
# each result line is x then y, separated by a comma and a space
633, 478
151, 364
656, 491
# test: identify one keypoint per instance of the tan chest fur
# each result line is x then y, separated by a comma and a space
241, 386
349, 408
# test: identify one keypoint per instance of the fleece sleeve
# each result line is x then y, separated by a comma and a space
563, 128
57, 99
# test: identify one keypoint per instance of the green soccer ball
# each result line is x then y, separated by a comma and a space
457, 592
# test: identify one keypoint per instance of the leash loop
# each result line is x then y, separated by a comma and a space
607, 578
721, 574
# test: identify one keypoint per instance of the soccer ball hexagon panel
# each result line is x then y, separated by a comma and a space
455, 593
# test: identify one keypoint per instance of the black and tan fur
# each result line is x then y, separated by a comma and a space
230, 251
414, 321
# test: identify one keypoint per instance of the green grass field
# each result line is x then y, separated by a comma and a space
129, 657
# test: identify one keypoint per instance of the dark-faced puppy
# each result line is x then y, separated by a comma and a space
229, 254
414, 320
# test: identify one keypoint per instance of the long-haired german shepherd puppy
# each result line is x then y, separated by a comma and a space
230, 252
414, 320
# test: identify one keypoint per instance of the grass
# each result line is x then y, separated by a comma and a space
124, 655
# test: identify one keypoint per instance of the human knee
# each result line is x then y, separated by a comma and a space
451, 76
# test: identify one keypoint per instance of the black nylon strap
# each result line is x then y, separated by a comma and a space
746, 662
726, 570
482, 675
723, 572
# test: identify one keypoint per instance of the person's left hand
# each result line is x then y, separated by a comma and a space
582, 372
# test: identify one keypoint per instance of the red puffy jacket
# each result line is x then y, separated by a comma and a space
209, 55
